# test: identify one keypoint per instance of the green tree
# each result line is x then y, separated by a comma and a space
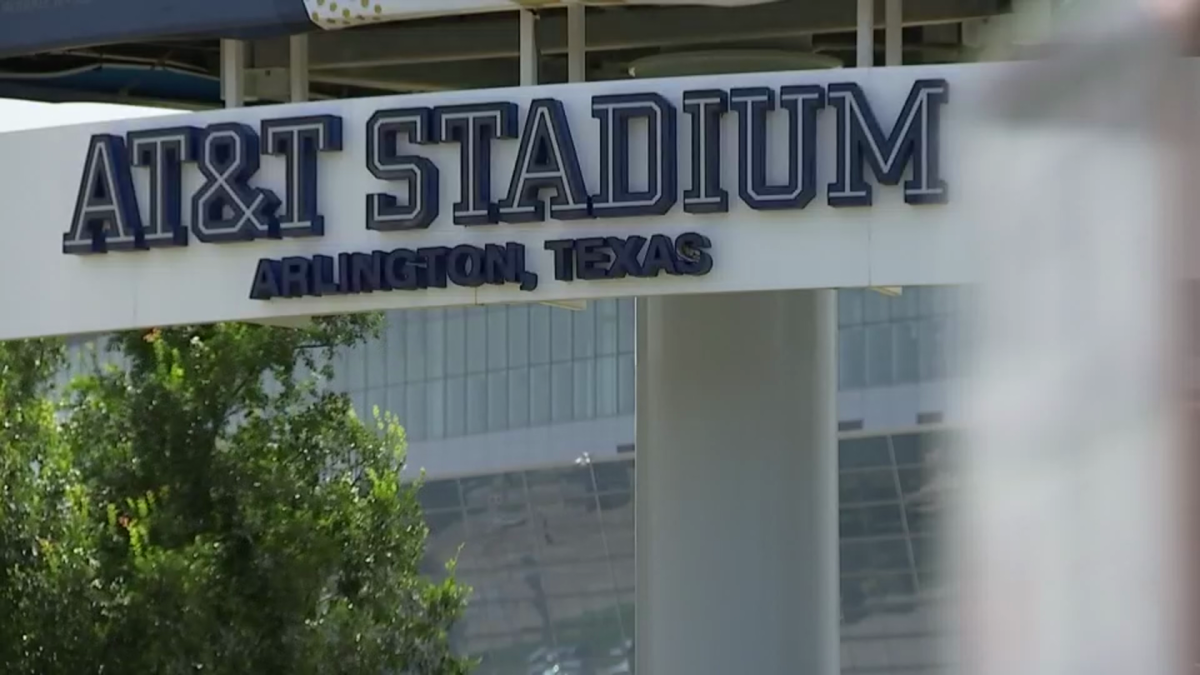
209, 508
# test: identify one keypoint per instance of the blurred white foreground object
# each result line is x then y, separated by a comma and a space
1068, 545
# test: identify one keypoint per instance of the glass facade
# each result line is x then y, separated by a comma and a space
522, 417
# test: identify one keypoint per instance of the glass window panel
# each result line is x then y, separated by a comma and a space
395, 403
456, 407
616, 509
930, 302
447, 532
606, 326
584, 576
876, 485
356, 368
606, 386
590, 628
414, 413
394, 335
613, 476
931, 349
518, 336
358, 400
497, 338
859, 453
476, 339
930, 580
850, 307
561, 332
519, 615
435, 409
579, 481
525, 651
376, 362
338, 381
907, 448
584, 331
879, 355
539, 395
852, 358
925, 552
625, 328
547, 485
626, 384
562, 392
497, 401
922, 517
569, 530
950, 344
871, 521
908, 359
518, 398
376, 400
435, 343
620, 543
863, 589
876, 307
913, 480
493, 490
539, 334
885, 555
456, 341
414, 346
585, 389
935, 445
907, 305
477, 404
439, 494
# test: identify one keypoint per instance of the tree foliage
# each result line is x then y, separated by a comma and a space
209, 508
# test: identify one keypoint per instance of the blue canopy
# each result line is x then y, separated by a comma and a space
29, 26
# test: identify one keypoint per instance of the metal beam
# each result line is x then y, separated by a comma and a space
488, 37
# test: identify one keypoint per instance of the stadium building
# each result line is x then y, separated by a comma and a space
522, 415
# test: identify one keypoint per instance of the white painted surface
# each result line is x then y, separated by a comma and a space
888, 244
737, 504
19, 115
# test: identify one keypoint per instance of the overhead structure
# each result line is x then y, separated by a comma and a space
35, 27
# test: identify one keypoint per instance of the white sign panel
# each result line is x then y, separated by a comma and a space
752, 182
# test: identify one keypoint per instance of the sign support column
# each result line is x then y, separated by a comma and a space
298, 81
233, 73
530, 52
736, 502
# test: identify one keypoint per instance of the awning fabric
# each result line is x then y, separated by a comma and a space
32, 26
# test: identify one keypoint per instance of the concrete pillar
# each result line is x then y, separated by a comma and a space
233, 73
865, 34
530, 52
736, 517
576, 42
298, 85
893, 23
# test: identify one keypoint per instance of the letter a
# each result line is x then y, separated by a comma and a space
106, 216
